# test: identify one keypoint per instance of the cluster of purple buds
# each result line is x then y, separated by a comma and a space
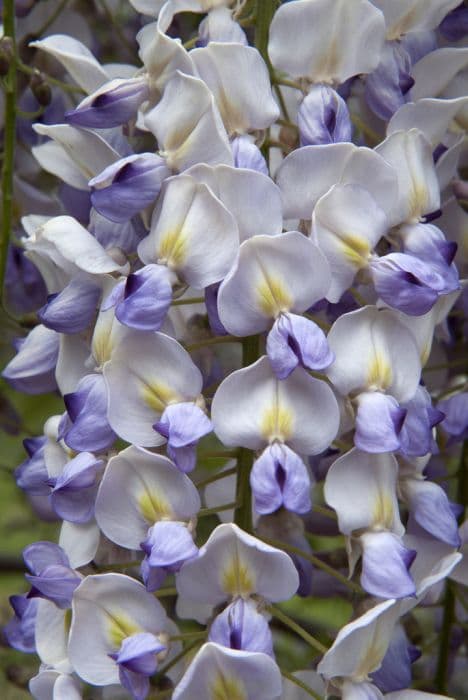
254, 263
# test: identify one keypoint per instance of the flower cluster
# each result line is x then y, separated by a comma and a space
254, 255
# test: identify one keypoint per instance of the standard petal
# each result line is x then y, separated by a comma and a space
192, 233
272, 275
154, 489
362, 489
233, 563
374, 350
348, 39
147, 371
252, 408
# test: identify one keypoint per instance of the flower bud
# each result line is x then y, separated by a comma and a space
40, 89
6, 54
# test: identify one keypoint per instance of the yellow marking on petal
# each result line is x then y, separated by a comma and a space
102, 345
277, 423
380, 373
355, 248
153, 507
158, 395
172, 248
372, 656
227, 688
383, 511
67, 620
403, 25
418, 202
237, 580
273, 296
120, 626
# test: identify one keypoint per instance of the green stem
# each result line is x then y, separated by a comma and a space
288, 83
297, 681
441, 680
444, 641
188, 635
48, 78
165, 592
210, 479
9, 136
315, 561
243, 512
191, 300
323, 510
216, 509
264, 10
300, 631
218, 454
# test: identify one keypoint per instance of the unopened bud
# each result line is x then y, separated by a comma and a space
40, 89
6, 54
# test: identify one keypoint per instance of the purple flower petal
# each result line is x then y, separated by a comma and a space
147, 298
379, 420
323, 117
385, 566
279, 478
295, 340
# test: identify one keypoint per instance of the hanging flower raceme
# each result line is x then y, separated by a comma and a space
250, 235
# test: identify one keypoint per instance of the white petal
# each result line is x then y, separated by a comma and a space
161, 54
138, 489
88, 151
147, 371
362, 489
252, 408
76, 58
347, 39
80, 541
374, 349
187, 125
106, 609
192, 233
433, 564
70, 246
233, 563
431, 116
433, 73
238, 78
71, 367
51, 685
403, 16
219, 672
361, 645
347, 224
308, 173
252, 198
53, 158
273, 274
51, 634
